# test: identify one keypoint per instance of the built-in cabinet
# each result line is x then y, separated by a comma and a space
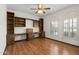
41, 24
10, 28
13, 21
29, 34
42, 34
41, 30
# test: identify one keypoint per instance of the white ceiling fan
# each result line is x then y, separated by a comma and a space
40, 9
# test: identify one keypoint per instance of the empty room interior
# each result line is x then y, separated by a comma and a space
39, 29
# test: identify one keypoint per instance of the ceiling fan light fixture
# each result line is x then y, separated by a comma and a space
40, 11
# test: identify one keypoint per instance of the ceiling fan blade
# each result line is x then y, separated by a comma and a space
34, 8
46, 8
40, 9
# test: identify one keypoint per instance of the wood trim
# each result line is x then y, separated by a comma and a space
61, 42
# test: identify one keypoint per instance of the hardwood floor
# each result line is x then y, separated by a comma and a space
41, 47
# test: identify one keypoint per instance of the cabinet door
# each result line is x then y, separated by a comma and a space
10, 39
42, 35
30, 36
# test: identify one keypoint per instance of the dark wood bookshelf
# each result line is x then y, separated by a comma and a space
10, 28
19, 22
41, 24
35, 23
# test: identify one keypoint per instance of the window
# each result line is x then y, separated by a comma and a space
70, 27
55, 28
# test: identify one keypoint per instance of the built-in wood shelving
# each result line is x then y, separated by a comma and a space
19, 22
10, 28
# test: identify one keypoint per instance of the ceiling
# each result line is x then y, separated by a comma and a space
26, 8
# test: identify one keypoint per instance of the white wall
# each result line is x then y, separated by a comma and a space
60, 16
29, 24
2, 28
